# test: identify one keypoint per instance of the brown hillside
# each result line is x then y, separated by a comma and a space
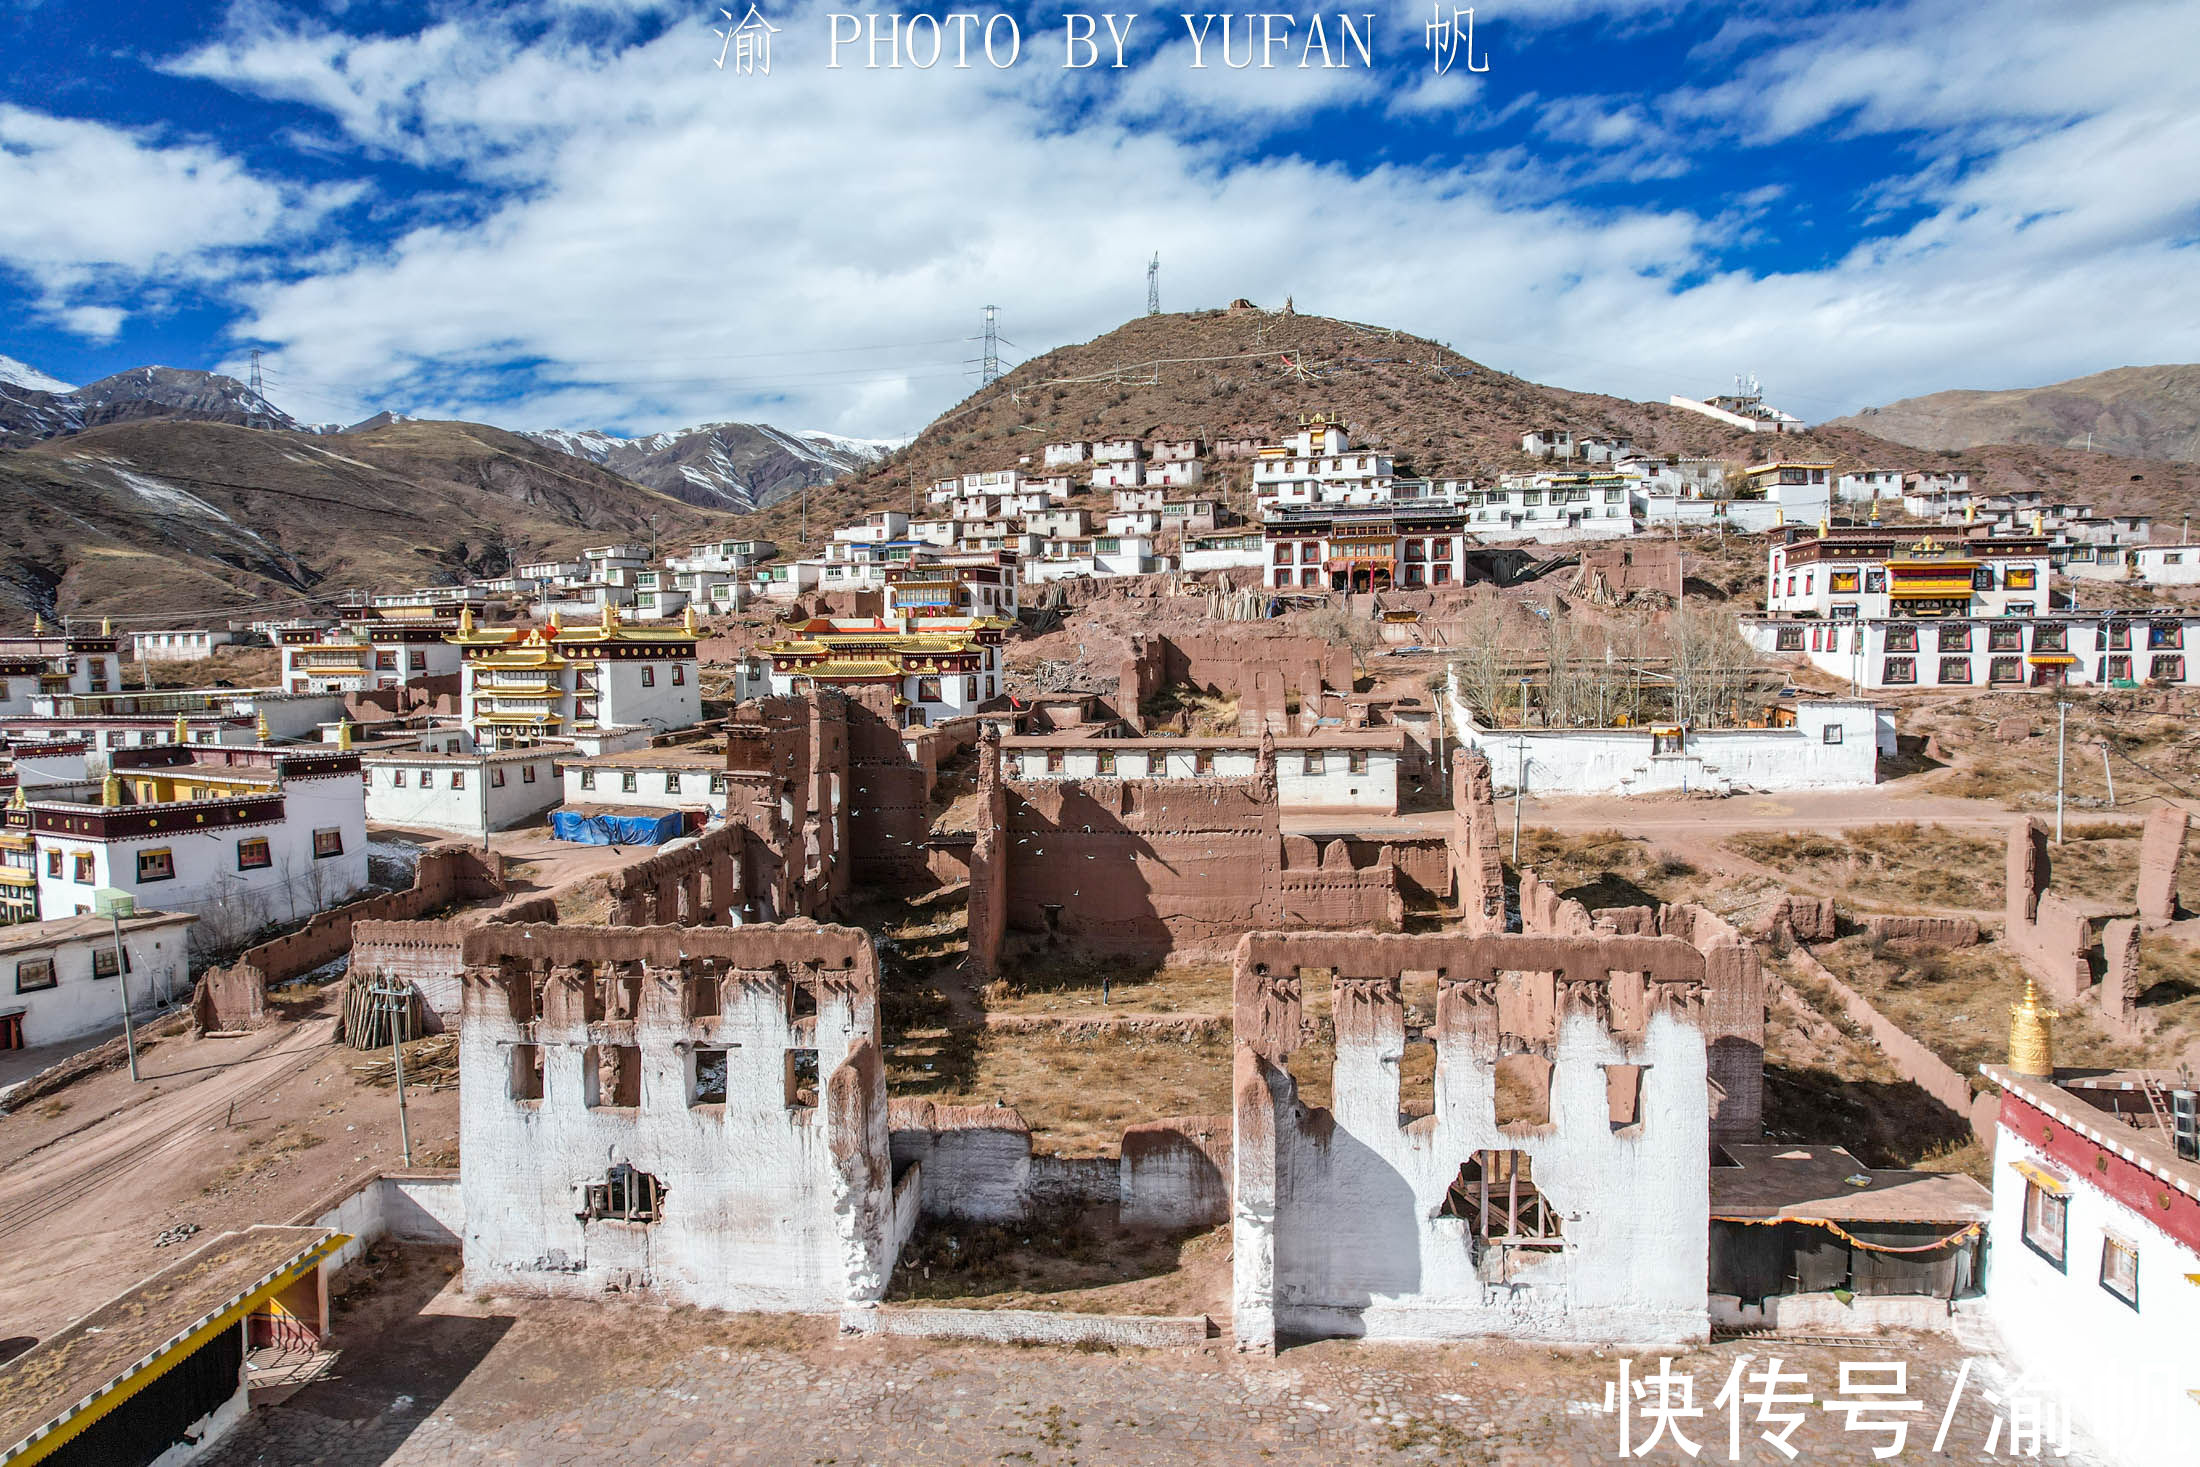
1219, 374
157, 520
2141, 412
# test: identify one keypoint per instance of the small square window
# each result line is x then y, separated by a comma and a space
328, 842
2120, 1269
526, 1074
629, 782
427, 779
397, 779
156, 865
672, 784
254, 854
53, 864
679, 675
1832, 734
105, 964
34, 974
707, 1077
2045, 1222
527, 774
458, 779
588, 779
649, 677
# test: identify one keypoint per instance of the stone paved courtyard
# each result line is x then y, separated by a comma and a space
430, 1376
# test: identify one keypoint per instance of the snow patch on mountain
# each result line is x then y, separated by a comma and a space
23, 374
165, 496
726, 465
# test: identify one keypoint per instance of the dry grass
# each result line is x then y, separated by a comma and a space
2160, 756
1826, 1082
1178, 711
1903, 865
1957, 1004
1609, 868
1079, 1094
1082, 985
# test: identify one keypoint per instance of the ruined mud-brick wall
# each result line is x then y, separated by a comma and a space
787, 779
1477, 872
1733, 1018
1149, 867
1423, 862
1341, 1224
1260, 672
1637, 565
975, 1160
1139, 867
2044, 928
987, 906
1911, 1059
975, 1164
589, 1066
1733, 1015
235, 997
438, 696
1922, 934
698, 883
1175, 1173
889, 802
2161, 854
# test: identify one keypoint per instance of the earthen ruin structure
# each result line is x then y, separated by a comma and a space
1558, 1189
689, 1115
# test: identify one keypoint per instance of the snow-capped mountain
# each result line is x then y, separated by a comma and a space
31, 413
21, 374
727, 466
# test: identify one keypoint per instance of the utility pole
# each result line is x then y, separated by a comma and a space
1153, 285
258, 386
2062, 716
391, 996
2108, 773
1520, 789
115, 904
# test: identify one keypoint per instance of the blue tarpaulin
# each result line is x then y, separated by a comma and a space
604, 828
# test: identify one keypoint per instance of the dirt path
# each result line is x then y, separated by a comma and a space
220, 1134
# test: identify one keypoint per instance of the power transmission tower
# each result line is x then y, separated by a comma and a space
1153, 285
989, 364
258, 387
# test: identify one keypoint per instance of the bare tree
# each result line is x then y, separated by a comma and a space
1714, 668
1340, 628
1482, 667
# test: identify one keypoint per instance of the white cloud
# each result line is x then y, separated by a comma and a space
659, 222
93, 208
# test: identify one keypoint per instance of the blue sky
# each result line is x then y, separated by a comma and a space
552, 212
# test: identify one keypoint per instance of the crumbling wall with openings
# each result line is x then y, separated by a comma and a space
1560, 1188
1733, 1017
235, 997
1149, 867
788, 780
1266, 675
687, 1115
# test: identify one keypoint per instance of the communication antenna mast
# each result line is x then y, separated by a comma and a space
258, 387
1153, 285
